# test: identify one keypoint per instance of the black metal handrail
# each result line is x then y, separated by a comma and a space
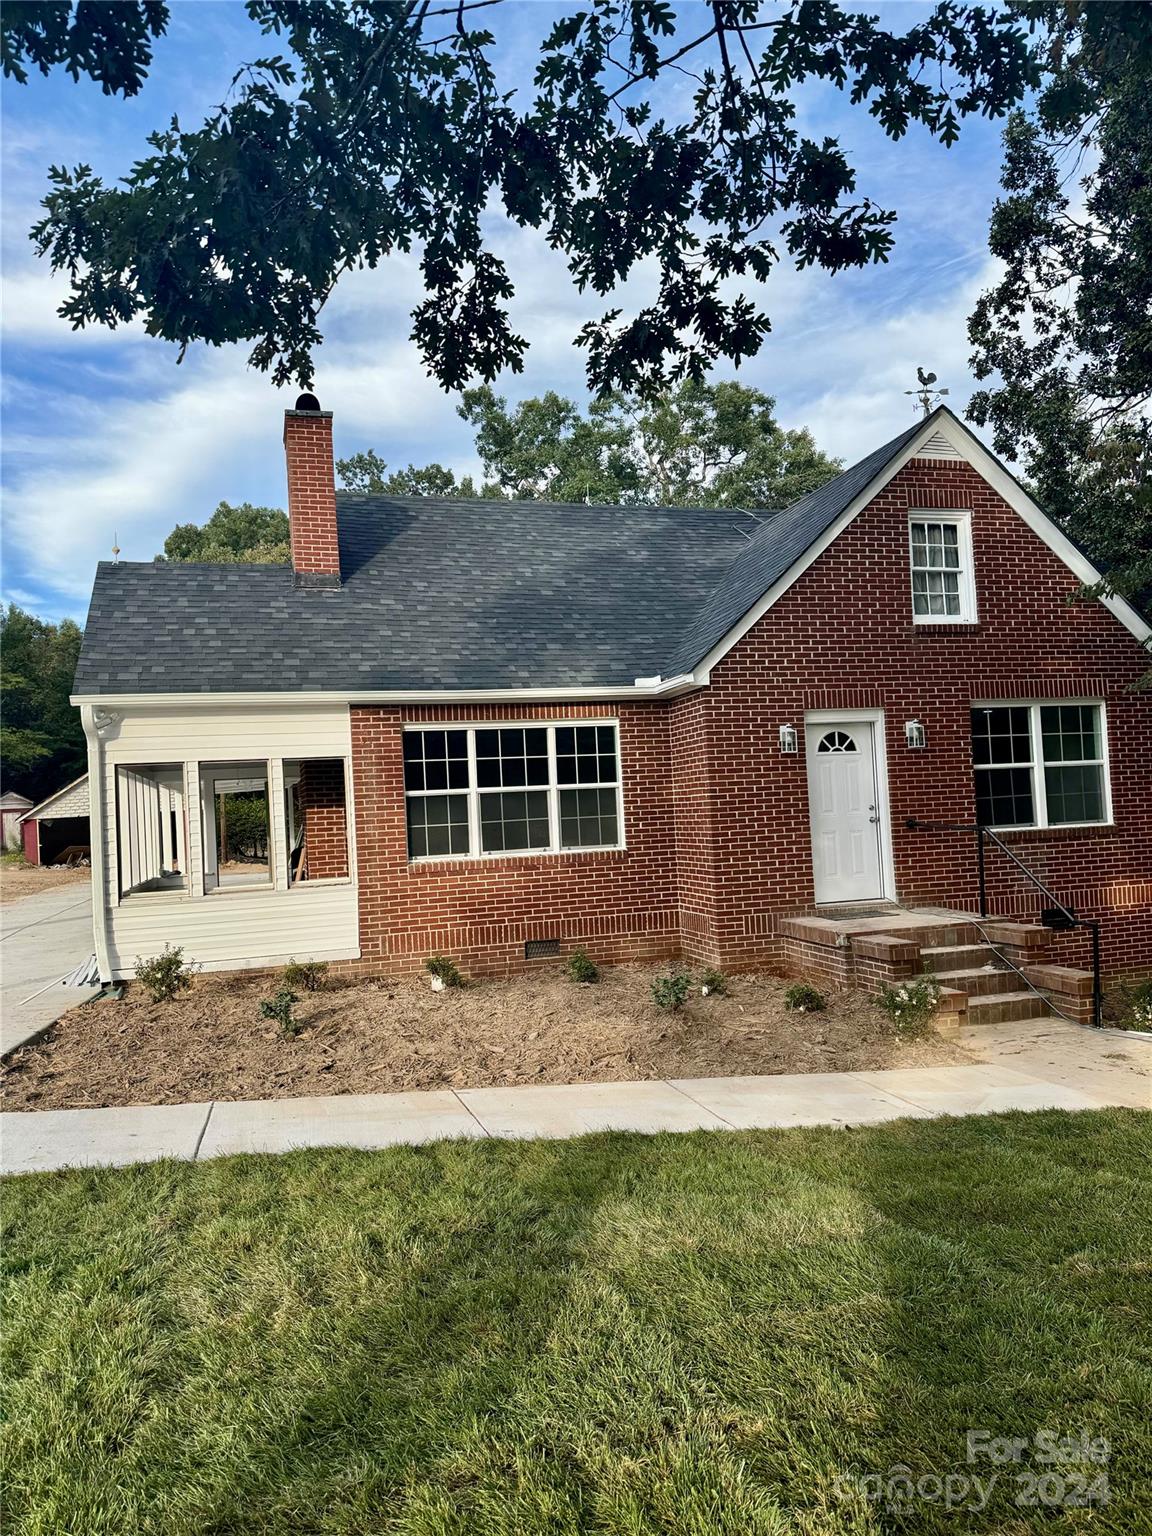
1057, 916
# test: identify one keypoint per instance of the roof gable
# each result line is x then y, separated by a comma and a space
794, 539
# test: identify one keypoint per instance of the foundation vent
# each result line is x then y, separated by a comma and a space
541, 949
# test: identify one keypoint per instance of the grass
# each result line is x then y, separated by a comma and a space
697, 1335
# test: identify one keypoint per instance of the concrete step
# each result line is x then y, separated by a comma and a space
980, 980
954, 957
1006, 1007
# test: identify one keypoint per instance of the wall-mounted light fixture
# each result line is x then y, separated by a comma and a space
788, 739
915, 734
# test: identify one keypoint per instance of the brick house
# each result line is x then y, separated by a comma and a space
501, 730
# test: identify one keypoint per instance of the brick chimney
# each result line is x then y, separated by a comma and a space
312, 494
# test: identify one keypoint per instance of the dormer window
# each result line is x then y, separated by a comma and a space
943, 590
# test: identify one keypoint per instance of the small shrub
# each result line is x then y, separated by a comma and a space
713, 984
13, 858
580, 968
671, 992
910, 1005
280, 1009
802, 998
164, 976
444, 971
308, 975
1131, 1006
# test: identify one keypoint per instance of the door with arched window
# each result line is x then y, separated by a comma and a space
845, 808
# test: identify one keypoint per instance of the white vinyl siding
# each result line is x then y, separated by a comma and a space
225, 929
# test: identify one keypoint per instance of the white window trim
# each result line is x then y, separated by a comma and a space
967, 584
553, 788
1037, 764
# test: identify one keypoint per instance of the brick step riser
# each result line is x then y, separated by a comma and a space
962, 959
937, 938
984, 983
992, 1011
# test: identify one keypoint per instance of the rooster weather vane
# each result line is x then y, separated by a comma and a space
926, 397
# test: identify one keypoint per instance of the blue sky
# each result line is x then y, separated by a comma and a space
103, 435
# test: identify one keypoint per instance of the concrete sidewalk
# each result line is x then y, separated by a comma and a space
42, 938
1043, 1075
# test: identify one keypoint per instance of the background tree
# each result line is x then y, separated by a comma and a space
384, 128
700, 445
368, 472
41, 739
255, 535
1065, 336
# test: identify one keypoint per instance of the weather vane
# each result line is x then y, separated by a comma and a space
926, 397
115, 550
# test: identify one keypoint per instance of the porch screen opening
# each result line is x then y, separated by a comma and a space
315, 820
150, 828
236, 826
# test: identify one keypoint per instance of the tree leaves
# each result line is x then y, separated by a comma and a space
381, 128
1065, 337
41, 739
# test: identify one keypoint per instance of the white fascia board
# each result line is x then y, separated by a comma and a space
972, 450
667, 688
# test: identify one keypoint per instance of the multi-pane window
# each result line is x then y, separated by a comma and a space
512, 789
941, 561
587, 775
1039, 765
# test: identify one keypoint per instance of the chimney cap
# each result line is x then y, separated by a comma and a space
307, 402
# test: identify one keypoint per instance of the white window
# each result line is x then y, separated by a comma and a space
150, 833
474, 790
943, 589
1040, 765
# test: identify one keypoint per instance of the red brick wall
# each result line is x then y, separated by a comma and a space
325, 817
717, 818
311, 492
842, 637
619, 905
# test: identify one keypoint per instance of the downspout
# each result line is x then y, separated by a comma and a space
96, 817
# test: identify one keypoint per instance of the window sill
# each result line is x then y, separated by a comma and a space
514, 857
923, 629
1055, 834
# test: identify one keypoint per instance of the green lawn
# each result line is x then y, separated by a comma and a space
624, 1334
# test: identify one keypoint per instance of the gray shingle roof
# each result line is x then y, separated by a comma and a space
440, 594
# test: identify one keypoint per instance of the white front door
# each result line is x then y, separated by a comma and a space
844, 805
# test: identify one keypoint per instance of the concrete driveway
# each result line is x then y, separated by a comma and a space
42, 938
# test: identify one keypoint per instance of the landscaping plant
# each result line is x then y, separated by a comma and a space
280, 1009
671, 991
165, 976
310, 975
713, 984
911, 1005
802, 998
581, 968
444, 971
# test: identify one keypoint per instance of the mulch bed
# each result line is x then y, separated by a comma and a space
384, 1036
